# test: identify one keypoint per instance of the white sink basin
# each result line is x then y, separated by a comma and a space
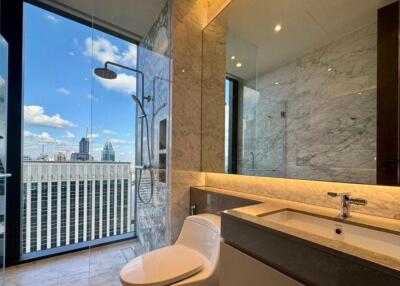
362, 237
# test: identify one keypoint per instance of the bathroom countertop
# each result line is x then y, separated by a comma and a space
251, 214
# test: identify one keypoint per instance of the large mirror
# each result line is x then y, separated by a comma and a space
303, 89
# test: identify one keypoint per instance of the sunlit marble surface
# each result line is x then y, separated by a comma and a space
98, 266
190, 16
213, 96
252, 213
383, 201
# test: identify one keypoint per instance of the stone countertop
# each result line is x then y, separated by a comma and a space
267, 205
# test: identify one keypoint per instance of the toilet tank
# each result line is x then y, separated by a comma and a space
202, 233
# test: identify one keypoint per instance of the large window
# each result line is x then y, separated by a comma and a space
78, 134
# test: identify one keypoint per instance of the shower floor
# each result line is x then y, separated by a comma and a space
98, 266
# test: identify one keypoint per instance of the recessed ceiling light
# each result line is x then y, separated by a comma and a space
233, 57
359, 93
238, 65
183, 70
276, 83
330, 69
278, 28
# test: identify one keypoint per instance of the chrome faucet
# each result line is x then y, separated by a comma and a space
346, 201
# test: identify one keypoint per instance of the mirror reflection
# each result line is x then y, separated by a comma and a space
290, 90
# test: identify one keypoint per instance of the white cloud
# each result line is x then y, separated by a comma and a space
71, 53
123, 83
92, 97
52, 18
118, 142
108, 131
43, 137
129, 57
63, 90
93, 136
2, 82
28, 134
35, 115
103, 50
69, 135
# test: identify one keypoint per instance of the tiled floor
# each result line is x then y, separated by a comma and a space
98, 266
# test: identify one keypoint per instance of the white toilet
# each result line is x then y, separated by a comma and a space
192, 260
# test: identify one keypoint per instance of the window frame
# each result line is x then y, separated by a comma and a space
11, 27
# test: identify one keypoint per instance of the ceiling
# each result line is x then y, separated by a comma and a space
131, 18
306, 25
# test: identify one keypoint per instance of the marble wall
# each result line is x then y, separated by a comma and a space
152, 221
215, 7
262, 135
190, 17
329, 99
383, 201
213, 96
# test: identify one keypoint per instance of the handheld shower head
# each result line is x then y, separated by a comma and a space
137, 100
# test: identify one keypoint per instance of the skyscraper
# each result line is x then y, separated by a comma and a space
83, 154
84, 146
108, 153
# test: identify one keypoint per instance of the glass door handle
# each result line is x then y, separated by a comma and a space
7, 175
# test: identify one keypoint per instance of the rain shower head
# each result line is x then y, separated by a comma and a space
105, 73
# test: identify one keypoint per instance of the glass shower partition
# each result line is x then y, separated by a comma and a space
3, 146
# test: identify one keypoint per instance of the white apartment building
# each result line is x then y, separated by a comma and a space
74, 201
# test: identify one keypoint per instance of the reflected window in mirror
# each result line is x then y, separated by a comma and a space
231, 123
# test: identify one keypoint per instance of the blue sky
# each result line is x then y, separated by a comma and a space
63, 99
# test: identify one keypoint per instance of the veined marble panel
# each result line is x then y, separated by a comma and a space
190, 16
154, 60
330, 100
213, 97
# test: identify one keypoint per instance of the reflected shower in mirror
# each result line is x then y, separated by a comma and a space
291, 89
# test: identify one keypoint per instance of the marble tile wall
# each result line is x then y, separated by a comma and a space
215, 7
154, 60
213, 96
262, 135
189, 17
383, 201
330, 99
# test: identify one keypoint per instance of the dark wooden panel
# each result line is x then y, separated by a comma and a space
214, 203
388, 96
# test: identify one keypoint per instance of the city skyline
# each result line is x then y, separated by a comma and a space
107, 154
77, 104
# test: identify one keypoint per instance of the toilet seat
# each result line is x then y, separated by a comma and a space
163, 266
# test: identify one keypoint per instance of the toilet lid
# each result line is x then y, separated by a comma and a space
162, 267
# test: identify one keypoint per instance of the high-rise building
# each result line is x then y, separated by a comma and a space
83, 154
108, 153
60, 156
84, 146
73, 202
